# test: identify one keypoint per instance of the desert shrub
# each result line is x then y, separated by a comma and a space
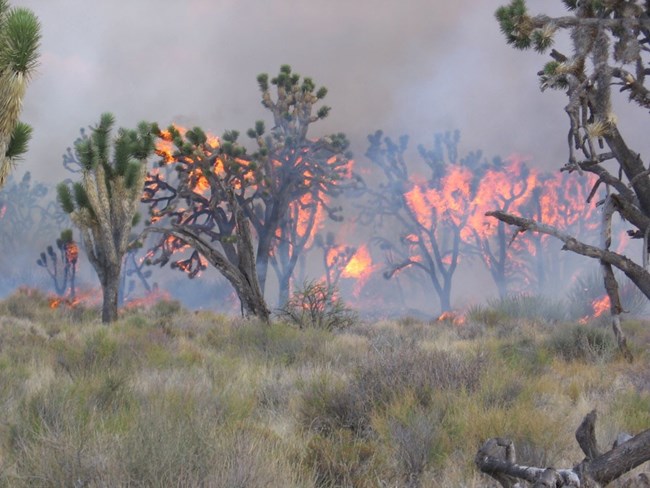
26, 303
522, 306
341, 459
327, 404
278, 342
52, 442
99, 352
525, 354
589, 288
633, 411
485, 315
415, 438
582, 342
166, 308
34, 305
382, 377
317, 305
168, 445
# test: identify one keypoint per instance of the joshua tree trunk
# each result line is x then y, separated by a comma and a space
285, 287
242, 274
110, 282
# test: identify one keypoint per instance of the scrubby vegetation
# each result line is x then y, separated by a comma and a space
169, 397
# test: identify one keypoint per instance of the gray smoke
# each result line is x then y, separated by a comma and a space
410, 66
416, 67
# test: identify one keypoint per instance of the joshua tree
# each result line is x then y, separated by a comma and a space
199, 211
63, 273
432, 215
280, 190
610, 45
19, 41
103, 205
294, 174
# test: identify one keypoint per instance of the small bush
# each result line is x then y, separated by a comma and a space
166, 308
24, 303
319, 306
99, 353
415, 438
328, 404
527, 307
582, 343
485, 315
382, 377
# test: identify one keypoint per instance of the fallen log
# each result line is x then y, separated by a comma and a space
497, 458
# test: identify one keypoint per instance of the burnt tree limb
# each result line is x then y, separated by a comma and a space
497, 459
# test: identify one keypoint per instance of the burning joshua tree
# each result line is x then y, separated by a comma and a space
283, 189
200, 212
63, 268
296, 177
103, 205
435, 216
19, 41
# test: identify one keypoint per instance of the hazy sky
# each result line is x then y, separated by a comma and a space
409, 66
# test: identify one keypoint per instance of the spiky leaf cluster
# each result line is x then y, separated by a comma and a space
523, 31
19, 140
19, 42
124, 169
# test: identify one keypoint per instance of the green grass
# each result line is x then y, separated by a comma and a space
166, 397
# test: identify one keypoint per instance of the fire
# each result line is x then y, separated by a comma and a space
451, 201
601, 305
360, 268
455, 318
359, 265
89, 297
154, 296
71, 252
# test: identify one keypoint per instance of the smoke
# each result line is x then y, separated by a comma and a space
416, 67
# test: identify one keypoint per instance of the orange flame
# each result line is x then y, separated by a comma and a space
150, 299
455, 318
601, 305
359, 265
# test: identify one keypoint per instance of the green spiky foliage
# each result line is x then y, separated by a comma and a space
19, 44
523, 31
103, 205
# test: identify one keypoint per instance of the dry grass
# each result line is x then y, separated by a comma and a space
167, 397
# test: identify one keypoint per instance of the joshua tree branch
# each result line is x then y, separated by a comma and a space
635, 272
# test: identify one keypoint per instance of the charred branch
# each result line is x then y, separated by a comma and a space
497, 459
